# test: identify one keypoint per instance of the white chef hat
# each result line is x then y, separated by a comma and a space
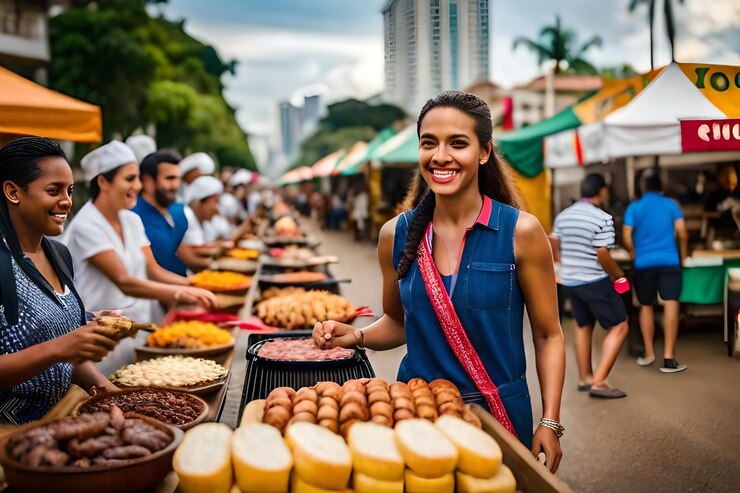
199, 160
228, 205
106, 158
202, 187
240, 177
142, 145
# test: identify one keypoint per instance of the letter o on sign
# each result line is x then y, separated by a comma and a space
719, 81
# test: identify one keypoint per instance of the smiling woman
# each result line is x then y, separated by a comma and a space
45, 344
468, 261
112, 255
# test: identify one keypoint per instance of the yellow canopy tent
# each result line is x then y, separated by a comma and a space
27, 108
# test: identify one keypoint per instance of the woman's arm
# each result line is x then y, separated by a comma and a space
73, 347
156, 272
109, 263
86, 375
537, 280
388, 331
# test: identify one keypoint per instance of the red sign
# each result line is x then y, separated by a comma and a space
710, 135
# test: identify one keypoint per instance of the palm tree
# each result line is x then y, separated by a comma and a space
559, 44
670, 23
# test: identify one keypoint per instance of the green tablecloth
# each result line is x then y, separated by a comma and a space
706, 285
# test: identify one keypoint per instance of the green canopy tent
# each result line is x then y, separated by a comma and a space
522, 148
352, 162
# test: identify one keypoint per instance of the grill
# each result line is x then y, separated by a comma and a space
262, 377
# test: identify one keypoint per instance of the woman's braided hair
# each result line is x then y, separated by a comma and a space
494, 177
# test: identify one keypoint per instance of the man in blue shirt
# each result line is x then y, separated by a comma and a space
164, 220
651, 226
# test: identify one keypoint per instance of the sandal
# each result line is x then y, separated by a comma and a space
584, 386
607, 393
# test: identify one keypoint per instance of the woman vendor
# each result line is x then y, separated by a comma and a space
45, 342
113, 260
457, 272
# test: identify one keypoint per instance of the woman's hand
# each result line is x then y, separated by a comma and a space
195, 296
330, 334
546, 441
83, 344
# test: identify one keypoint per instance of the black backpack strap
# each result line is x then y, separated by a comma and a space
8, 292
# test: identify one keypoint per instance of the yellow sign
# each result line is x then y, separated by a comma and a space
720, 84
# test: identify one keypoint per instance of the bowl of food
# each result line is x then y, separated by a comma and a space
95, 452
184, 373
188, 338
299, 352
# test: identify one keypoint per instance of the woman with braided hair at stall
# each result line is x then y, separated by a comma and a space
46, 344
457, 272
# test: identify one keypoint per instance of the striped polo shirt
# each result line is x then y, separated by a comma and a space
581, 229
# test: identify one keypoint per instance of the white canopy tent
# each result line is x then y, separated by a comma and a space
649, 125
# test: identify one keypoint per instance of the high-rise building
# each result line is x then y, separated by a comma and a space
432, 46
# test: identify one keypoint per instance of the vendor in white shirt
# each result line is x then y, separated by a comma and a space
113, 262
195, 165
203, 197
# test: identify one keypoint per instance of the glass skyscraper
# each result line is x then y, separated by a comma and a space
432, 46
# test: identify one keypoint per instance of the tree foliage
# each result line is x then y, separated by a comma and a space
560, 44
144, 70
345, 123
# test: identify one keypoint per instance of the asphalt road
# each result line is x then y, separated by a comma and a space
672, 433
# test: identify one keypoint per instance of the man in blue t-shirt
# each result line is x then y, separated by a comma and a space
651, 225
164, 219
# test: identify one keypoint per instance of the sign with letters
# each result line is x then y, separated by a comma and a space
710, 135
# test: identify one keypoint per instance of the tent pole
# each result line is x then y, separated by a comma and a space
631, 177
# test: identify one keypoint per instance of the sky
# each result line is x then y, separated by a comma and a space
288, 47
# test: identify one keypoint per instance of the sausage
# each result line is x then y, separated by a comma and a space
126, 452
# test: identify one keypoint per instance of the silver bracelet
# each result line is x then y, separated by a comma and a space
554, 425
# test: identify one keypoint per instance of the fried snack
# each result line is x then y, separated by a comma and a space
297, 308
279, 407
447, 397
119, 327
403, 402
190, 335
469, 416
424, 400
213, 280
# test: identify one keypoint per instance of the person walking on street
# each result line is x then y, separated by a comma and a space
584, 233
651, 226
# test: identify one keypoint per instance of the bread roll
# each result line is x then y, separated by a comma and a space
327, 412
254, 412
327, 388
306, 393
353, 386
353, 410
425, 449
203, 459
402, 414
374, 452
381, 395
416, 383
330, 424
366, 484
281, 401
320, 457
352, 396
479, 454
262, 460
502, 482
419, 484
470, 417
328, 401
426, 411
304, 417
381, 409
298, 485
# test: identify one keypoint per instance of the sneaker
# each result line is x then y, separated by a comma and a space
645, 361
672, 366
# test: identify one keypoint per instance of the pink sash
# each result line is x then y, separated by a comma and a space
455, 333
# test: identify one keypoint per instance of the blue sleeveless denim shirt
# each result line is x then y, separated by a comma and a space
489, 303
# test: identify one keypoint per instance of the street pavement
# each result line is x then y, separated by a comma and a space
672, 433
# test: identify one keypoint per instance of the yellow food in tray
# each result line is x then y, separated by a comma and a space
189, 335
243, 253
220, 281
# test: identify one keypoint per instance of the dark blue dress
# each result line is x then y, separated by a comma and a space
489, 303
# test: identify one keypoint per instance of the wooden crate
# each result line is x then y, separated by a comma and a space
531, 476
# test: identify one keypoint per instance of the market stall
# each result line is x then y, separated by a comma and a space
27, 108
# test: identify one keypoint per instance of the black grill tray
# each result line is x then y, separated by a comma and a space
263, 376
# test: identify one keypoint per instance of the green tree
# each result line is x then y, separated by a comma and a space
347, 122
560, 44
670, 23
144, 70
